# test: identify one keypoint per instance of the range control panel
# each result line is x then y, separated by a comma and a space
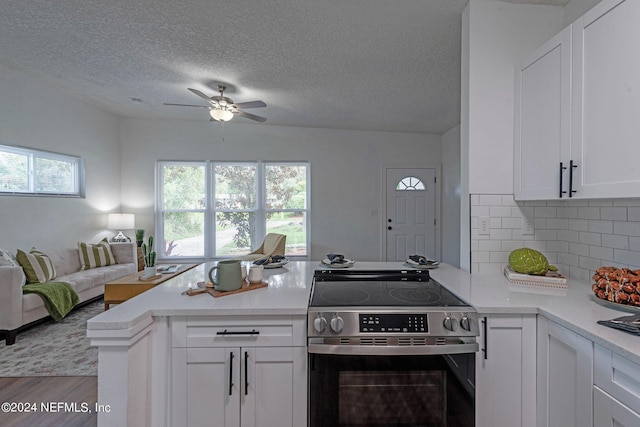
396, 323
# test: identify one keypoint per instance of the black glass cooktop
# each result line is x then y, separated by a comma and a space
379, 292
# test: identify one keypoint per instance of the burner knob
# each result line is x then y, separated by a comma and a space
337, 323
467, 323
450, 323
320, 323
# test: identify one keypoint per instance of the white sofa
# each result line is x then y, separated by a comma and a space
18, 310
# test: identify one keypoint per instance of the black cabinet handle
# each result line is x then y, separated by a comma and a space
225, 332
389, 228
571, 168
231, 374
246, 373
485, 349
562, 169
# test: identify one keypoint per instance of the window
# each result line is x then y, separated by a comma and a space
25, 171
410, 183
224, 209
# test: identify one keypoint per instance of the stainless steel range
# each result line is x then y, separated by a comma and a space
380, 346
390, 312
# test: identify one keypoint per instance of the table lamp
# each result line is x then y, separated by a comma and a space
121, 222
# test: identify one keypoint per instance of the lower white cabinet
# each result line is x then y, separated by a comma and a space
506, 371
616, 390
238, 376
565, 377
609, 412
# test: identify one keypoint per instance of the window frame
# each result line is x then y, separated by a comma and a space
210, 210
78, 172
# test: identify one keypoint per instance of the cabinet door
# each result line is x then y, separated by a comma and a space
506, 371
565, 376
608, 412
542, 120
274, 386
205, 389
606, 100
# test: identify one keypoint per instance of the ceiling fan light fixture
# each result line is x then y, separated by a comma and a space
221, 114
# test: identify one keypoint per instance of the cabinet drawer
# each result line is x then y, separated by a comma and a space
228, 331
617, 376
607, 411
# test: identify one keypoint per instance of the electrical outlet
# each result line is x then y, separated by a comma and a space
527, 227
483, 225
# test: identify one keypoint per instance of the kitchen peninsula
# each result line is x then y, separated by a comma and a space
153, 344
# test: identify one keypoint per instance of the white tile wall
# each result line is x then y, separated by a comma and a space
576, 236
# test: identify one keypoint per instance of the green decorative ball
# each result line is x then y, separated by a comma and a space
529, 261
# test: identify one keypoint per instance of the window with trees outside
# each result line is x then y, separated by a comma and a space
25, 171
224, 209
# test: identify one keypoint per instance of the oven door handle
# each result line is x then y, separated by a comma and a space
392, 350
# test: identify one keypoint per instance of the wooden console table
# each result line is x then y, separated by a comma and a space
127, 287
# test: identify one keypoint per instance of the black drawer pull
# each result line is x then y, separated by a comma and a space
231, 374
225, 332
562, 169
485, 350
571, 168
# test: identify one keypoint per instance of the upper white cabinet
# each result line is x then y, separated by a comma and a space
542, 120
577, 112
606, 100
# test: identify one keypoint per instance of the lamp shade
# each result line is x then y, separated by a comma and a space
221, 114
121, 221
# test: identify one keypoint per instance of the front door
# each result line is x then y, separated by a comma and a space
411, 213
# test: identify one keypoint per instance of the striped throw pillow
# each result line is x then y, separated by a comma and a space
92, 256
37, 266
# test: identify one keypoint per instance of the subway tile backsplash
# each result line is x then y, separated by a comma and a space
577, 236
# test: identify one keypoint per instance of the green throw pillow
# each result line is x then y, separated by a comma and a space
92, 256
37, 266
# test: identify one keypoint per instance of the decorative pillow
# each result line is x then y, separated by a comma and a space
92, 256
112, 259
7, 258
36, 265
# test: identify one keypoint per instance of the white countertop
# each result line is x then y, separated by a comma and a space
287, 294
289, 289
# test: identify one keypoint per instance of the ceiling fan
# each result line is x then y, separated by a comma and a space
223, 109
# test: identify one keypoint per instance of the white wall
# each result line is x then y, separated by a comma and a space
346, 170
495, 35
451, 180
36, 115
499, 34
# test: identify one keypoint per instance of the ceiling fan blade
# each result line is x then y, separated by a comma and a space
200, 94
251, 116
250, 104
186, 105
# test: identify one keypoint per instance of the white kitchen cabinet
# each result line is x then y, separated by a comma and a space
609, 412
578, 103
606, 100
565, 376
542, 137
506, 371
237, 372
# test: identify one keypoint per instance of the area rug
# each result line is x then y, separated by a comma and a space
53, 348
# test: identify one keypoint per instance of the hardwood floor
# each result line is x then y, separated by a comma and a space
48, 401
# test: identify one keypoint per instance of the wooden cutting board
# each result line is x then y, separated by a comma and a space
245, 287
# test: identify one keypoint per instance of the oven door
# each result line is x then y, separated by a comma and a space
383, 390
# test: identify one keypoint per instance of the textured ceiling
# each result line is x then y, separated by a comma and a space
350, 64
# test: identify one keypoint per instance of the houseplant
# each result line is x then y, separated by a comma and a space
149, 258
139, 236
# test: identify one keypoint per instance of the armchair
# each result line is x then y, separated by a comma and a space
273, 244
